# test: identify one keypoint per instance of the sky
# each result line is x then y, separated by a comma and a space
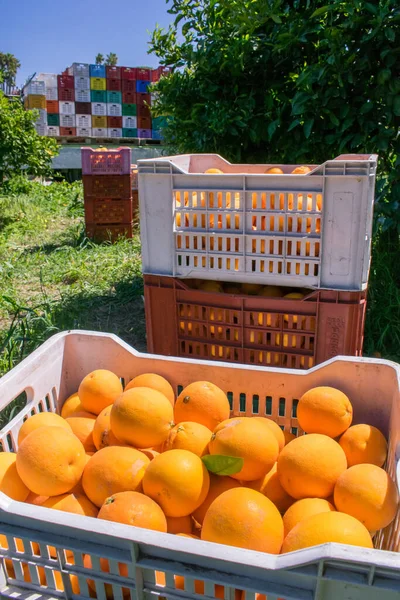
49, 35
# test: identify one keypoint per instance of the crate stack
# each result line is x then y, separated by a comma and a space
83, 109
35, 98
107, 188
52, 106
248, 265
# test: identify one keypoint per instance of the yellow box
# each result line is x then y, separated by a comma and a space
97, 83
35, 101
99, 121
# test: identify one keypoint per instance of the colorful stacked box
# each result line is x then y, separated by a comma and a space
83, 118
107, 188
35, 98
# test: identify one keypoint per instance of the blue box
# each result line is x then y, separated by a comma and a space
97, 70
142, 86
156, 134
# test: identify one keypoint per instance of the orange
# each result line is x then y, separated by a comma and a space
327, 527
189, 436
250, 439
252, 289
301, 170
270, 486
180, 525
71, 405
11, 483
218, 485
275, 429
324, 410
303, 509
155, 382
274, 171
45, 419
142, 417
50, 461
35, 499
289, 436
232, 289
98, 390
133, 508
105, 567
214, 171
202, 402
178, 481
112, 470
244, 518
369, 494
211, 286
271, 291
309, 466
150, 452
75, 503
364, 444
102, 434
82, 424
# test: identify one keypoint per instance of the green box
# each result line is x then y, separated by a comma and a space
129, 133
129, 110
53, 120
98, 96
114, 97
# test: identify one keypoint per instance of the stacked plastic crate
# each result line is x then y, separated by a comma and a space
35, 98
107, 187
114, 102
129, 109
256, 264
143, 100
66, 104
158, 123
98, 99
52, 106
83, 107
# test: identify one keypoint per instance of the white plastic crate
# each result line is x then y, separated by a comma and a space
114, 132
84, 131
35, 88
53, 131
114, 109
41, 129
310, 230
51, 93
326, 572
99, 132
129, 122
50, 80
83, 120
42, 118
99, 109
82, 95
67, 108
79, 69
67, 121
82, 83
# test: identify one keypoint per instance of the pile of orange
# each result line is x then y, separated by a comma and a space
182, 465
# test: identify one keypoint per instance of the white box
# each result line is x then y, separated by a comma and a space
99, 132
99, 109
42, 119
41, 129
79, 69
67, 108
129, 122
82, 83
50, 80
51, 93
53, 131
114, 132
114, 109
84, 131
35, 88
83, 120
82, 95
67, 121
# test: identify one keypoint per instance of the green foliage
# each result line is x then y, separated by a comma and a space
9, 66
111, 59
285, 82
99, 60
20, 145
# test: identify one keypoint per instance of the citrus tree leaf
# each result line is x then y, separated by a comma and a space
223, 465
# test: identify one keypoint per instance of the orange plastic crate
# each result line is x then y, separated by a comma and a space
106, 211
107, 186
110, 232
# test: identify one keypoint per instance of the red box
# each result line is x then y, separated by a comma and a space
110, 232
113, 85
144, 122
143, 99
65, 82
157, 73
128, 73
128, 97
106, 162
52, 107
143, 74
118, 187
128, 85
113, 72
114, 122
143, 111
68, 131
83, 108
66, 95
107, 210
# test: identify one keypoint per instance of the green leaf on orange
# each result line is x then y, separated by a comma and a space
223, 465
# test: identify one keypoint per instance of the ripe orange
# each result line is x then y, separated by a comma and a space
189, 436
301, 170
50, 461
274, 171
271, 291
112, 470
202, 402
178, 481
270, 486
251, 289
324, 410
45, 419
218, 485
309, 466
35, 499
244, 518
133, 508
211, 286
275, 429
303, 509
98, 390
75, 503
369, 494
231, 288
102, 434
180, 525
11, 483
214, 171
150, 453
142, 417
250, 439
364, 444
327, 527
289, 436
71, 405
82, 424
155, 382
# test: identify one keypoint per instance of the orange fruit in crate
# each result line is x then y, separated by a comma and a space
202, 402
50, 461
274, 171
275, 429
41, 420
179, 525
214, 171
270, 486
250, 439
11, 483
303, 509
98, 390
310, 465
327, 527
76, 503
302, 170
155, 382
324, 410
251, 289
150, 452
102, 434
232, 289
178, 481
218, 485
82, 425
71, 405
189, 435
211, 286
289, 436
271, 291
364, 444
105, 567
142, 417
35, 499
112, 470
133, 508
369, 494
244, 518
